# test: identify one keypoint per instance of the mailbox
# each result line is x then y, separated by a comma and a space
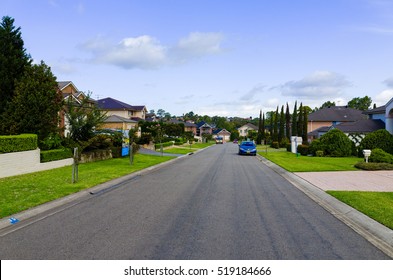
366, 154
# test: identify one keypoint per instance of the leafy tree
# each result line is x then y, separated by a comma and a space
328, 104
36, 104
13, 61
160, 113
363, 103
83, 118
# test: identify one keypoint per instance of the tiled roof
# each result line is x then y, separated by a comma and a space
336, 114
378, 110
113, 104
361, 126
118, 119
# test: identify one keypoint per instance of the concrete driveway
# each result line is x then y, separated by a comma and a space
378, 181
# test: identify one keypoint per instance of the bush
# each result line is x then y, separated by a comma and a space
379, 155
18, 143
289, 147
98, 142
166, 144
319, 153
335, 143
381, 139
57, 154
302, 149
371, 166
52, 142
275, 145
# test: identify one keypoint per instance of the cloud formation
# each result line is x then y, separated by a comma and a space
319, 83
146, 52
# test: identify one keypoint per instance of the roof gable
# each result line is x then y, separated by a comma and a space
336, 114
113, 104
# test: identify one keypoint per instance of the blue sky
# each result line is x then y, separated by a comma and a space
222, 57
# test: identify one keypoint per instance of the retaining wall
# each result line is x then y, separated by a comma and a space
18, 163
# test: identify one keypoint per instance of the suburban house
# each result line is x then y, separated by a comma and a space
383, 113
222, 132
71, 93
121, 116
349, 121
189, 126
204, 128
244, 129
121, 109
319, 122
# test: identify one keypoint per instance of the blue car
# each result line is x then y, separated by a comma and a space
247, 148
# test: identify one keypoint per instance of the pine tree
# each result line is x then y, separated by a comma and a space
13, 60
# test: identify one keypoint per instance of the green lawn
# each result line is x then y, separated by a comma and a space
376, 205
293, 163
181, 150
185, 148
22, 192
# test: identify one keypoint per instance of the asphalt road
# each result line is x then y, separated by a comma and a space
210, 205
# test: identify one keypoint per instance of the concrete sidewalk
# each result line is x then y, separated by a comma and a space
378, 181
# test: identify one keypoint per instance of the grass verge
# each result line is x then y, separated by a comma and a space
376, 205
22, 192
293, 163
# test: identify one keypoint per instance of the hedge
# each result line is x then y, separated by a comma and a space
57, 154
18, 143
372, 166
165, 144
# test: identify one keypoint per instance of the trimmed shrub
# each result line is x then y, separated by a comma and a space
58, 154
18, 143
319, 153
315, 146
166, 144
336, 144
379, 155
381, 139
302, 149
371, 166
275, 145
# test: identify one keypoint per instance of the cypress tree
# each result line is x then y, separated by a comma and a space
275, 125
300, 121
294, 120
281, 131
287, 123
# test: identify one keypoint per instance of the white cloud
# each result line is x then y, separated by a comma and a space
383, 97
254, 92
319, 84
146, 52
198, 44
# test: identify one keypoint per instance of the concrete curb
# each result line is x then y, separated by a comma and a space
377, 234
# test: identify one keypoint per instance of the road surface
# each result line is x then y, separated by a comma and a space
211, 205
